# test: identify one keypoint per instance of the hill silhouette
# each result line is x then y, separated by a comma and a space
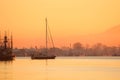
110, 37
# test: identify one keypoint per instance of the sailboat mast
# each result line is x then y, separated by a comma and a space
46, 36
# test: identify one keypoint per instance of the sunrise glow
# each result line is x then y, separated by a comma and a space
69, 20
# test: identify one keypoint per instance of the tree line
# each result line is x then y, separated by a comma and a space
77, 49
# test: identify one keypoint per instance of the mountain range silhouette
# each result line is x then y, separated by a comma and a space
111, 37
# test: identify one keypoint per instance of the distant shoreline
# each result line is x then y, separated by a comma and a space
78, 57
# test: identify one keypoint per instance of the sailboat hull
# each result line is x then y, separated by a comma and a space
43, 57
6, 56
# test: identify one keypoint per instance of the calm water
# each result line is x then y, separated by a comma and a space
76, 68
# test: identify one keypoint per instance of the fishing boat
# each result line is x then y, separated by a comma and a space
6, 47
46, 54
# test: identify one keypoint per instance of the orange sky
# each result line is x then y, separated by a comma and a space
67, 19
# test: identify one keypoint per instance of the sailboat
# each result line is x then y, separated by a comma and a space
46, 54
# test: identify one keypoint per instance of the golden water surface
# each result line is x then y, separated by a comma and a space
62, 68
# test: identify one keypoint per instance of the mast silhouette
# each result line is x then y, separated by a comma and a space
11, 41
46, 36
5, 40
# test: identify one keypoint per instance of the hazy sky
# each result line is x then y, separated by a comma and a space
66, 18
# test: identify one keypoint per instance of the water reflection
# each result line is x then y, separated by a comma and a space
60, 69
6, 70
6, 62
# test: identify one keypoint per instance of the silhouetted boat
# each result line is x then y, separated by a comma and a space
44, 55
6, 46
41, 56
